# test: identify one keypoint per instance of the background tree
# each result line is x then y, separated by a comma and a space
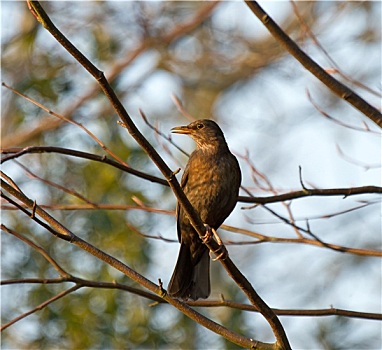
221, 62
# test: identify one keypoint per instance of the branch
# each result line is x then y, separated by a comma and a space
318, 243
167, 138
260, 237
290, 312
66, 277
214, 303
359, 163
334, 85
61, 117
85, 283
42, 251
345, 192
208, 303
365, 128
17, 152
26, 134
56, 185
41, 306
62, 232
243, 283
336, 68
309, 192
96, 206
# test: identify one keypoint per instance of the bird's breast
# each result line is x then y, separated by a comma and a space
212, 186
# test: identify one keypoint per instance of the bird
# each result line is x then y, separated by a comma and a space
211, 182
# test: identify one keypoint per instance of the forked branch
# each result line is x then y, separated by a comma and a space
333, 84
281, 339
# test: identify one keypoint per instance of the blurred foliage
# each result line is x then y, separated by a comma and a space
219, 56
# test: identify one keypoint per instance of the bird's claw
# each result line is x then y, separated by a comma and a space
221, 253
209, 234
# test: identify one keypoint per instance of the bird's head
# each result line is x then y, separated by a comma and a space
205, 132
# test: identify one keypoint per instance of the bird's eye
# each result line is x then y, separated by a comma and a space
199, 126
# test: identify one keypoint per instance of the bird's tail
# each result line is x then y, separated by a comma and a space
190, 281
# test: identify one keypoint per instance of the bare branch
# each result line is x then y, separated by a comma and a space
334, 85
158, 132
270, 239
17, 152
41, 306
181, 109
134, 229
336, 68
96, 206
95, 138
291, 312
261, 238
64, 233
345, 192
128, 57
209, 303
42, 251
55, 185
339, 122
194, 218
359, 163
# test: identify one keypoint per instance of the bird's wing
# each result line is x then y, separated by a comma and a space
184, 180
179, 209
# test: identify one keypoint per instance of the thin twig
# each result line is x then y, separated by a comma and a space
70, 121
161, 134
41, 306
337, 121
14, 153
181, 109
18, 152
127, 58
261, 238
56, 185
64, 233
334, 85
330, 58
332, 311
193, 216
359, 163
41, 250
96, 206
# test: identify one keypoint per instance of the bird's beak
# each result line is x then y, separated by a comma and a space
181, 130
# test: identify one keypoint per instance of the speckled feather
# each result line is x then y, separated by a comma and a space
211, 182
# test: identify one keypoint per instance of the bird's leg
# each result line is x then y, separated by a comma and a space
209, 233
221, 252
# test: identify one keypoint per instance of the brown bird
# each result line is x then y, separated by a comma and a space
211, 182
